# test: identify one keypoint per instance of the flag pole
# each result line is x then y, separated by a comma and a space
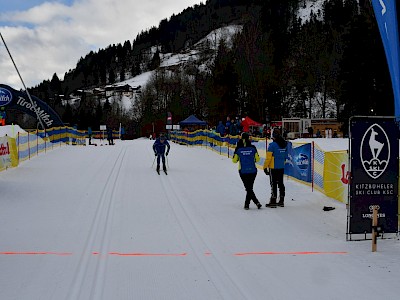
23, 83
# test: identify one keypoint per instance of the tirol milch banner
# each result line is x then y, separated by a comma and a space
374, 167
13, 99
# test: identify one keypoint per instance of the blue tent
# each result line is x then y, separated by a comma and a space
191, 121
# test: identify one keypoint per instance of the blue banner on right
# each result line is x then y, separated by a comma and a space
298, 163
386, 17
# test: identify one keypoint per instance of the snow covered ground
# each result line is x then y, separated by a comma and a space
99, 223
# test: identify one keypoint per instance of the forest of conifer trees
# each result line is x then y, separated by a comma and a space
330, 65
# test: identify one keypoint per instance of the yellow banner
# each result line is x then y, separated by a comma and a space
8, 153
336, 175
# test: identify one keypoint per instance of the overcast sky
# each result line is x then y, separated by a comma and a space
47, 37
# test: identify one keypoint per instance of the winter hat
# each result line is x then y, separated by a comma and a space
245, 136
275, 133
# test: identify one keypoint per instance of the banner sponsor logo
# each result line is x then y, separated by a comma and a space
30, 105
5, 96
4, 149
5, 157
46, 118
298, 162
302, 161
375, 151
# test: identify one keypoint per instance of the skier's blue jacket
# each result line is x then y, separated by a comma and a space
247, 158
159, 147
276, 156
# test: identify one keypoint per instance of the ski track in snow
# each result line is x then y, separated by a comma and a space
129, 233
219, 275
99, 233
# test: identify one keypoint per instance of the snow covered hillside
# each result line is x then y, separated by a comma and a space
211, 41
310, 6
99, 223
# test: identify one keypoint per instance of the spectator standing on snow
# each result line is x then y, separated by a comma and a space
90, 135
227, 125
274, 166
247, 156
160, 145
233, 129
220, 129
110, 137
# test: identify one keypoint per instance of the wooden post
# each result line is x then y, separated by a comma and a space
374, 228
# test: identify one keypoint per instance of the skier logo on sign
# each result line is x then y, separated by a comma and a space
375, 151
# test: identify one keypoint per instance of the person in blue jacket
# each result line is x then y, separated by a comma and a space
274, 166
247, 156
160, 145
220, 129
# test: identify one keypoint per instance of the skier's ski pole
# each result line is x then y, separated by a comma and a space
153, 162
167, 162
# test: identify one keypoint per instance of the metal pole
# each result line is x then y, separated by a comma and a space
23, 83
374, 229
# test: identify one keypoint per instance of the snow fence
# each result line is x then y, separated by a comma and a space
24, 145
308, 163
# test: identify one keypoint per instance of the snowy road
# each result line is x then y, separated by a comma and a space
99, 223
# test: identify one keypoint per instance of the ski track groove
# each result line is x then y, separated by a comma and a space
100, 226
218, 275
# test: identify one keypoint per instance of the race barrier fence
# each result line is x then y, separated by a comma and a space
326, 171
25, 145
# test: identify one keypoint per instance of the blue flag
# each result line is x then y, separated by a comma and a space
385, 14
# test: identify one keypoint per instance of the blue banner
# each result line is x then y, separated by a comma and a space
298, 164
385, 14
13, 99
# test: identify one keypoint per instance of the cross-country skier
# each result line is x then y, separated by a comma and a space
159, 150
247, 156
274, 166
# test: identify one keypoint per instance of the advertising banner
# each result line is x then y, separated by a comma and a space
374, 169
13, 99
8, 153
336, 175
298, 164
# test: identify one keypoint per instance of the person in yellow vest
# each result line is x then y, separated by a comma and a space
274, 166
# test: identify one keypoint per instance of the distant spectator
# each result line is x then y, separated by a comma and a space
122, 133
90, 135
233, 130
110, 137
227, 125
221, 129
284, 135
311, 131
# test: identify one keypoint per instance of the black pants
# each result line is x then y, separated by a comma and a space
248, 181
160, 156
276, 181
